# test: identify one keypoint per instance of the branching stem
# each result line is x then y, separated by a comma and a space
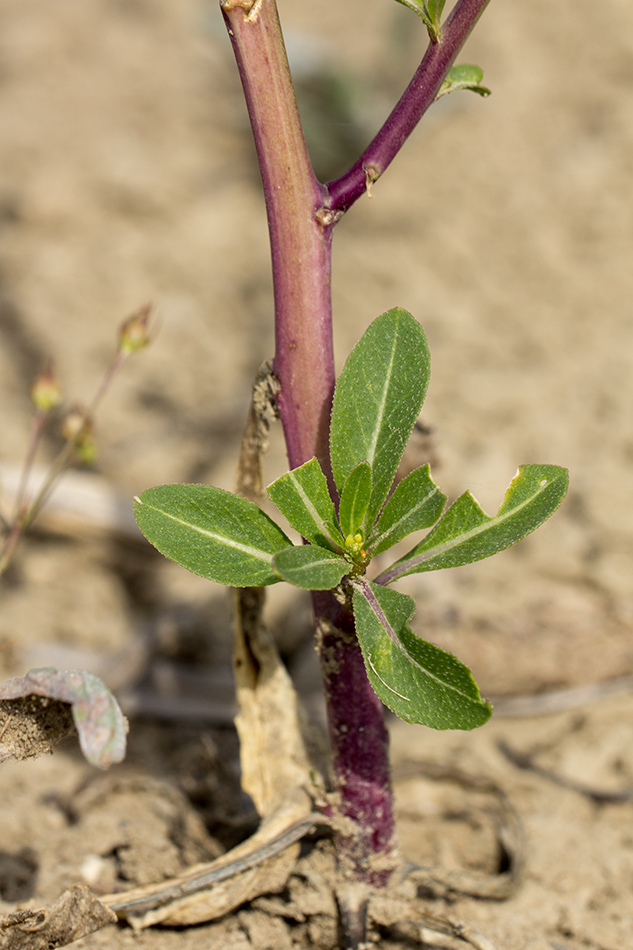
419, 95
301, 216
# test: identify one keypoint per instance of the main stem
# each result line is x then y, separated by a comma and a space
300, 237
301, 215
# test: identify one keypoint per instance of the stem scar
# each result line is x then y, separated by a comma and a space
327, 217
251, 7
372, 174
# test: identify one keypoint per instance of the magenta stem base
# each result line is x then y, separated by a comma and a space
363, 800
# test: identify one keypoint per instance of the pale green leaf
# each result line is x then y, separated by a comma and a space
303, 497
310, 567
466, 533
415, 504
211, 532
415, 679
419, 7
355, 500
377, 400
464, 76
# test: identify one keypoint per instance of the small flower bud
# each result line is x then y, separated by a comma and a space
77, 429
133, 333
46, 392
74, 423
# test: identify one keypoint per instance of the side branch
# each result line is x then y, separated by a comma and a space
417, 98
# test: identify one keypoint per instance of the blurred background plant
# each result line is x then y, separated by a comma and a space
75, 429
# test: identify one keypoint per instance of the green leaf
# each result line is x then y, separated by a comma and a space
416, 503
355, 499
302, 496
415, 679
377, 400
464, 76
435, 8
419, 7
211, 532
310, 567
466, 533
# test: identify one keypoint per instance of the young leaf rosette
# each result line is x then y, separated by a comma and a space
377, 400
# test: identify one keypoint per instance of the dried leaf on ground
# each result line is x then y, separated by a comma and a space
31, 724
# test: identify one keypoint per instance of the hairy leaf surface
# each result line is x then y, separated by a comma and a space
415, 679
355, 499
377, 400
302, 496
466, 533
211, 532
415, 504
310, 567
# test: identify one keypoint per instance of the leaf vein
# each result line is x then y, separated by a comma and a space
258, 553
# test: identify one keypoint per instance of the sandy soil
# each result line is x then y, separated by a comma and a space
127, 176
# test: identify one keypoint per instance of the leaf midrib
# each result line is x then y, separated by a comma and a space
319, 522
382, 404
259, 553
384, 623
463, 538
377, 541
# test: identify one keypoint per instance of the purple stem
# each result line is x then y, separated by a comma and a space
301, 215
304, 365
419, 95
360, 748
300, 231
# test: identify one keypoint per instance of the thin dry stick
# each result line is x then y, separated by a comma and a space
205, 876
5, 727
